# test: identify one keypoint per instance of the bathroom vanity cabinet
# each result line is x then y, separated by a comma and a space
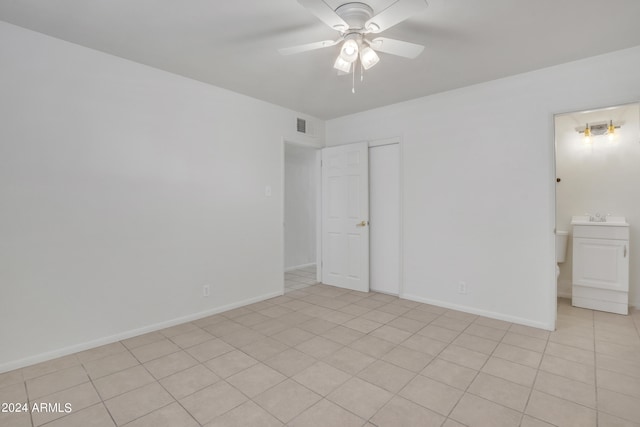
601, 264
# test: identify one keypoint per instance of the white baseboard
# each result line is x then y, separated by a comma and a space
296, 267
54, 354
393, 294
490, 314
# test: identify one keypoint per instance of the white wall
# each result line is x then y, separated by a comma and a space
479, 182
124, 190
299, 206
600, 177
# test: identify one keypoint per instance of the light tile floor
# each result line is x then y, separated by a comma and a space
323, 356
299, 278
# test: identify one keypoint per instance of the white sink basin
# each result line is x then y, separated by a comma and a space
615, 221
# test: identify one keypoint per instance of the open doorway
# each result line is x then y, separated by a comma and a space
597, 174
301, 183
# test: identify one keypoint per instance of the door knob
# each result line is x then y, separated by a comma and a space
362, 224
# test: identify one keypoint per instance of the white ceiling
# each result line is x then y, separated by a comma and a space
232, 44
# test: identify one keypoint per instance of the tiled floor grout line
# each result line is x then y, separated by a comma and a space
161, 385
113, 397
535, 379
88, 407
356, 375
32, 400
133, 389
595, 368
98, 393
380, 358
474, 377
351, 376
479, 370
275, 385
419, 373
177, 400
531, 389
26, 390
302, 385
174, 398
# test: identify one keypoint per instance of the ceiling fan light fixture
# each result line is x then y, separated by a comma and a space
368, 57
342, 65
349, 50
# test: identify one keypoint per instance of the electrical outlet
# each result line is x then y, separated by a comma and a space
205, 291
462, 288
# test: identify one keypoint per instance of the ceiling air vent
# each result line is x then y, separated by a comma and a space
301, 125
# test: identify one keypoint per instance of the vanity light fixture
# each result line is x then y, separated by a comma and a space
587, 134
611, 131
591, 130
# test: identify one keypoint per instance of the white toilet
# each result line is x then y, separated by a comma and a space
561, 249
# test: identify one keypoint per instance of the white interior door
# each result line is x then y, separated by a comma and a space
384, 210
345, 216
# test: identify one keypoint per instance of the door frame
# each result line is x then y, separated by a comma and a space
554, 194
305, 143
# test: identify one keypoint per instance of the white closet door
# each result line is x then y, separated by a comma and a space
384, 209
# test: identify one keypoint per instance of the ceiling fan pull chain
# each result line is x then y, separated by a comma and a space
361, 72
353, 79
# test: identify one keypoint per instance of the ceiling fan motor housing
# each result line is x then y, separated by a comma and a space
356, 15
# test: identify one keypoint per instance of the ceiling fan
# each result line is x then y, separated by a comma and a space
355, 23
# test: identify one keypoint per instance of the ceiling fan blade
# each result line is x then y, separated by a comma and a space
306, 47
394, 14
325, 13
396, 47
